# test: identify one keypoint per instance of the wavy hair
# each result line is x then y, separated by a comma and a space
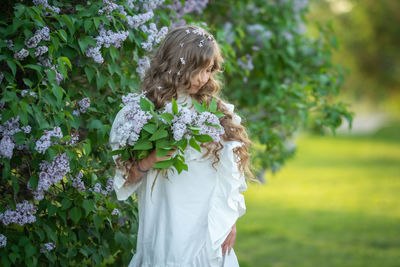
168, 74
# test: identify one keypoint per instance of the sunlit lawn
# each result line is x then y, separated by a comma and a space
337, 203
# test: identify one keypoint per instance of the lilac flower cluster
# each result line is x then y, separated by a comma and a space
23, 214
151, 5
143, 66
45, 142
74, 139
40, 50
42, 34
10, 44
115, 212
51, 173
6, 147
106, 39
181, 120
228, 32
137, 20
155, 36
260, 33
110, 38
109, 187
108, 7
28, 92
77, 182
83, 104
21, 54
47, 247
189, 6
3, 241
204, 120
10, 127
248, 65
128, 132
46, 6
46, 62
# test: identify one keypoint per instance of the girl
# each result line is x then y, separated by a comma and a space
189, 219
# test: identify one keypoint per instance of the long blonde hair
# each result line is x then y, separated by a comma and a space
168, 74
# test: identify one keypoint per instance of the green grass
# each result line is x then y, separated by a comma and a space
337, 203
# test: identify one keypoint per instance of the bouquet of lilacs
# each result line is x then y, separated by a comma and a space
174, 126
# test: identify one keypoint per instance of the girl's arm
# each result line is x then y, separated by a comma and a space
135, 175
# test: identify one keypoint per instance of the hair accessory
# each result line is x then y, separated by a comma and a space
144, 171
159, 87
181, 44
187, 31
183, 60
179, 73
169, 71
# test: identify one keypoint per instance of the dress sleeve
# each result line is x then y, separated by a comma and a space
227, 202
122, 192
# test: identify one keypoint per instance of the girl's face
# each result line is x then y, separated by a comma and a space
201, 79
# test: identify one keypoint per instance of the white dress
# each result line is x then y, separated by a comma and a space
189, 215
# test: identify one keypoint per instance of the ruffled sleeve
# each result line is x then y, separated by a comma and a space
122, 192
227, 202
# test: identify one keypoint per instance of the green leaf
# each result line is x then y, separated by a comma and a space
98, 221
12, 66
166, 116
203, 138
30, 250
142, 144
146, 104
213, 105
58, 91
75, 214
65, 204
174, 107
51, 210
94, 124
63, 35
64, 61
192, 143
164, 164
88, 205
200, 108
151, 128
160, 133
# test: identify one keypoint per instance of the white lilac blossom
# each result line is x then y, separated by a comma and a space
46, 6
47, 247
108, 7
129, 3
206, 118
10, 44
23, 214
154, 37
143, 66
21, 54
152, 5
50, 173
115, 212
40, 50
94, 52
45, 142
6, 147
3, 241
84, 104
248, 65
180, 121
132, 98
189, 6
77, 182
137, 20
45, 62
97, 188
260, 33
44, 33
110, 38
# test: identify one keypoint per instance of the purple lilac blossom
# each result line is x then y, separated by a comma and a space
45, 142
6, 147
207, 117
27, 129
94, 52
152, 5
46, 6
3, 241
21, 54
137, 20
143, 66
110, 38
51, 173
115, 212
47, 247
84, 104
10, 44
10, 127
248, 65
40, 50
108, 7
77, 182
23, 214
33, 41
74, 139
154, 37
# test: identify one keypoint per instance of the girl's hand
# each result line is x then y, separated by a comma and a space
152, 158
229, 241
